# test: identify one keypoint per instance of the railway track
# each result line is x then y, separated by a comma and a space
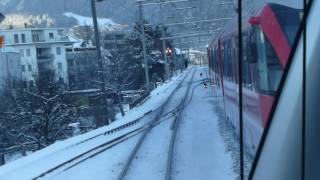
72, 162
175, 127
158, 119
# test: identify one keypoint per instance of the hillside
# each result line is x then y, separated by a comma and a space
119, 11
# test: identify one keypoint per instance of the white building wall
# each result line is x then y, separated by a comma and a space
29, 61
9, 36
60, 62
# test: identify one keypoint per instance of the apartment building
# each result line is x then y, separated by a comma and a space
41, 50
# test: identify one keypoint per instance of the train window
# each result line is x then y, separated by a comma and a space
216, 62
235, 58
229, 60
223, 60
246, 73
269, 67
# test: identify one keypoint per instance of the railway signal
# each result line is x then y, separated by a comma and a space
169, 52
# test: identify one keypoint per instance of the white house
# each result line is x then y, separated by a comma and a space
41, 49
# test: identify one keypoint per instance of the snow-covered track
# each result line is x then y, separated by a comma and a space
174, 129
157, 120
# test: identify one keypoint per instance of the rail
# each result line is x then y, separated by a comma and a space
174, 128
152, 124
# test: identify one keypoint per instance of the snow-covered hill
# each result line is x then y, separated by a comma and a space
119, 11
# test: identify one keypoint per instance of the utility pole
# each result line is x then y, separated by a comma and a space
100, 62
146, 65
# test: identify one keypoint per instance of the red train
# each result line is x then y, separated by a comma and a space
268, 36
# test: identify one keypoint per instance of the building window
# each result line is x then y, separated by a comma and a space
35, 38
51, 36
25, 84
58, 49
23, 38
16, 38
21, 52
28, 53
23, 68
29, 68
60, 66
31, 84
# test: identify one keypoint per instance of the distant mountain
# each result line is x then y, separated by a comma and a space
121, 13
118, 11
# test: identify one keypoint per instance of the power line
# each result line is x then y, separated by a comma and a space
199, 21
160, 3
190, 35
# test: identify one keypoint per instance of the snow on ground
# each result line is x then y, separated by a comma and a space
150, 161
106, 165
151, 158
200, 151
34, 164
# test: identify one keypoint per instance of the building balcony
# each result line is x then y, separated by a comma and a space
47, 58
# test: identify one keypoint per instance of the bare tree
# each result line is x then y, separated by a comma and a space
37, 115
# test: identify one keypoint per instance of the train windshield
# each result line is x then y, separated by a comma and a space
289, 20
